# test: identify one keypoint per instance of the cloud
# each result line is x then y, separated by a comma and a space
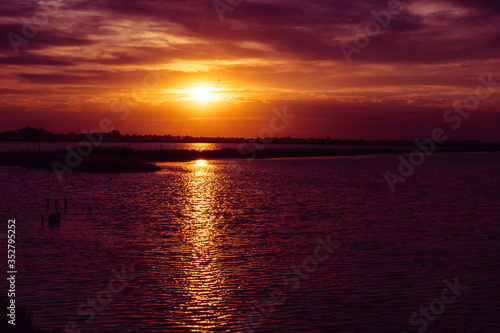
284, 50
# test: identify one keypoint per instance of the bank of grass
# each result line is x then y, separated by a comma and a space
24, 319
120, 159
101, 160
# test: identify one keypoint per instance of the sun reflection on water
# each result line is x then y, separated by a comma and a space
200, 163
200, 146
204, 280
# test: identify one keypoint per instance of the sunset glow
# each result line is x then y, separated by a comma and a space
172, 59
200, 162
250, 165
201, 94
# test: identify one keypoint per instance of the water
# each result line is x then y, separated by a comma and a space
203, 245
20, 146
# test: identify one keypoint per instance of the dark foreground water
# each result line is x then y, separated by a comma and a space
196, 247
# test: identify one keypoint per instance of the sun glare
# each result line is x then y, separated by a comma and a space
201, 162
201, 94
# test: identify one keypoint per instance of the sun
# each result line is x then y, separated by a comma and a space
201, 94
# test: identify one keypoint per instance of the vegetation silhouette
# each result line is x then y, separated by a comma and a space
127, 160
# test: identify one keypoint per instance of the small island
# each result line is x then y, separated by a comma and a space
94, 157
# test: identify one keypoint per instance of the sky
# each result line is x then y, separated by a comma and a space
227, 67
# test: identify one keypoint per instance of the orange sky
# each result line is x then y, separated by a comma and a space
183, 71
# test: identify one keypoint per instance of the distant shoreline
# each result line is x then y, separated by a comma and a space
291, 141
120, 159
39, 135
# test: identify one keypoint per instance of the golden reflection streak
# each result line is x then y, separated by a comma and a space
204, 278
201, 147
201, 162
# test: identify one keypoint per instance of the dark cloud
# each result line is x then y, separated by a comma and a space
31, 60
305, 30
97, 48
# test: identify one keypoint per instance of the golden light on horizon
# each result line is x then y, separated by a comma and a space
201, 94
201, 162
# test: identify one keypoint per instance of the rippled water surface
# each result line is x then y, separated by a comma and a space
201, 245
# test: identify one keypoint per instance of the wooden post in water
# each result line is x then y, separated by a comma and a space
65, 205
57, 206
43, 218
